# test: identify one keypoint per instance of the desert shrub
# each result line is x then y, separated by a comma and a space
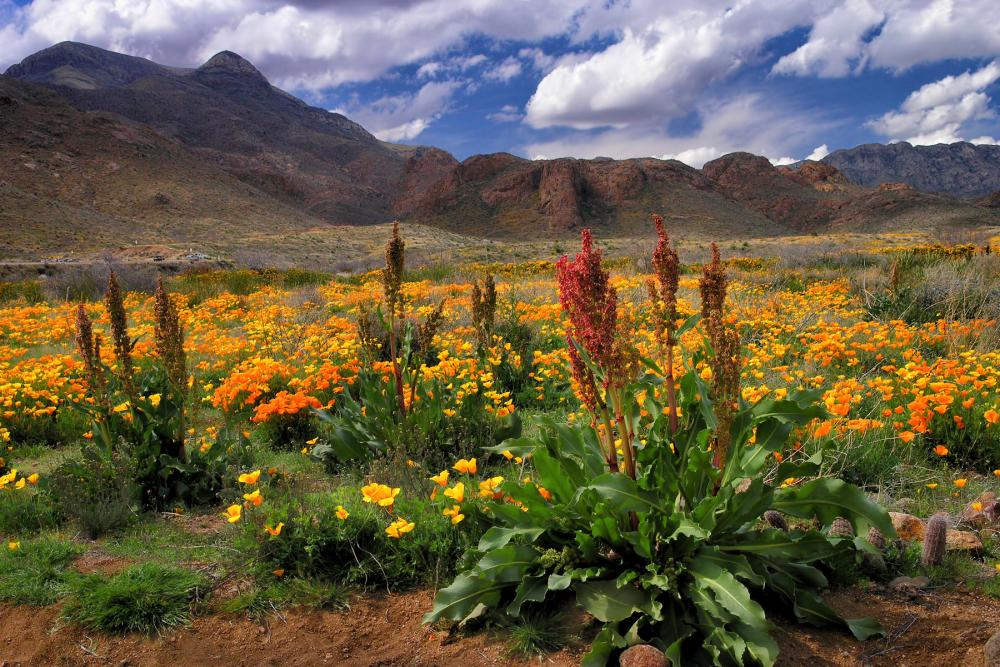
370, 426
315, 542
147, 598
97, 491
28, 291
27, 510
59, 428
651, 520
34, 571
139, 410
400, 409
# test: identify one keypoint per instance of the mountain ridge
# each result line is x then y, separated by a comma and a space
330, 170
960, 169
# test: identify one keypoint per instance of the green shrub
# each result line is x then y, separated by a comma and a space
27, 510
147, 598
97, 491
369, 425
315, 543
35, 573
29, 291
535, 635
652, 521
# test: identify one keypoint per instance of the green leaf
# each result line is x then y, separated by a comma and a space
559, 582
499, 536
788, 411
554, 474
625, 493
606, 641
798, 546
507, 563
759, 644
731, 594
463, 595
606, 602
828, 498
531, 589
865, 628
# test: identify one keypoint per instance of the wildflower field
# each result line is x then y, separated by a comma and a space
573, 457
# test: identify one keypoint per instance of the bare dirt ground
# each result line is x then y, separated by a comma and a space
942, 627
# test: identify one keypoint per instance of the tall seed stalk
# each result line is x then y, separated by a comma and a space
666, 267
169, 337
392, 281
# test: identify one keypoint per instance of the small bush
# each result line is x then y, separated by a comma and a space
315, 543
96, 491
264, 599
27, 511
147, 598
29, 291
35, 572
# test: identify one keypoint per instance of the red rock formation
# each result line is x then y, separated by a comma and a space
559, 194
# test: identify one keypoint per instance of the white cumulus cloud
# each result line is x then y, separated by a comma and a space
403, 117
941, 111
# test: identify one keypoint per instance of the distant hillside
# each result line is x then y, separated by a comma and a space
960, 170
75, 180
99, 149
227, 111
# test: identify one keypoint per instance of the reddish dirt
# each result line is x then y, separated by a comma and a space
940, 627
945, 627
96, 561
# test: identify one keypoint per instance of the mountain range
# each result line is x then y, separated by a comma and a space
99, 148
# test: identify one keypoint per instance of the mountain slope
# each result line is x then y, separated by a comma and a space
310, 158
71, 180
960, 169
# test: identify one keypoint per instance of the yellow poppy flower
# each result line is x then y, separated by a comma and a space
380, 494
456, 493
250, 477
233, 513
455, 513
398, 528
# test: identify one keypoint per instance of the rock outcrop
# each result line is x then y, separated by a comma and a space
960, 169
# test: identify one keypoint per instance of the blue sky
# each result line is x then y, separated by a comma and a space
691, 79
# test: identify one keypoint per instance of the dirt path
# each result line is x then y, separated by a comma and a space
936, 628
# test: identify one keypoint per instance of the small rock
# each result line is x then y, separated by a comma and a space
962, 540
992, 652
908, 583
908, 527
643, 655
983, 511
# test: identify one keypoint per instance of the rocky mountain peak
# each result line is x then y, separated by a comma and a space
227, 61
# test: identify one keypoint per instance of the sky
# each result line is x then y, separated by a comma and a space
684, 79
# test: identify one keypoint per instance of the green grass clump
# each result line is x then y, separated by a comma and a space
264, 599
147, 598
35, 572
535, 635
27, 511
